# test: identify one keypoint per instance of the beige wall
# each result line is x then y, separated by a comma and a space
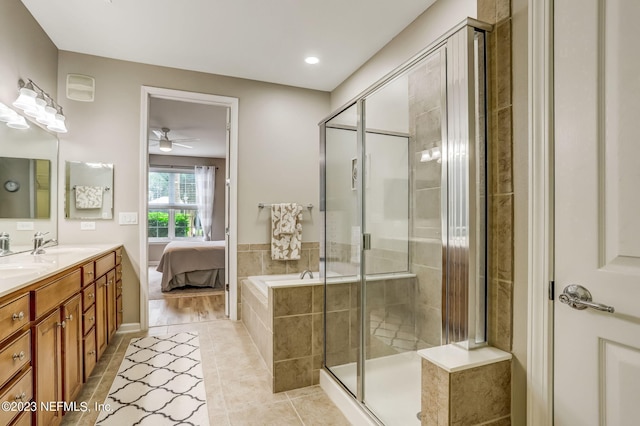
424, 30
277, 148
25, 52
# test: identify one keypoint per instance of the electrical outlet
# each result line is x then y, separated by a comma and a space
25, 226
87, 226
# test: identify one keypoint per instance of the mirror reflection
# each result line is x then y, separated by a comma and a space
36, 150
89, 190
26, 185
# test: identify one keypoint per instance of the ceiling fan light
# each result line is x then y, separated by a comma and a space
165, 145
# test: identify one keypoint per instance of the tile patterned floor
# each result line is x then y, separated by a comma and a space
236, 381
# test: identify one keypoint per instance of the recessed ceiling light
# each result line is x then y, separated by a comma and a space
312, 60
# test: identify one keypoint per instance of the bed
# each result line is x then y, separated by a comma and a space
192, 263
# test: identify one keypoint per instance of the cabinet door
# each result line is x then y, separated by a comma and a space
111, 304
47, 342
101, 315
72, 348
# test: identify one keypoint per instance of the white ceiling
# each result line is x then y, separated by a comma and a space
264, 40
204, 126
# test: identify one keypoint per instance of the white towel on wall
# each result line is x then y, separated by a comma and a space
89, 197
286, 231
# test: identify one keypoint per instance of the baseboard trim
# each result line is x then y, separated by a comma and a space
130, 327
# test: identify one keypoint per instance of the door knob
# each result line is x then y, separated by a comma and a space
580, 298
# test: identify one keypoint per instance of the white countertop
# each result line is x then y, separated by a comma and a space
452, 358
20, 270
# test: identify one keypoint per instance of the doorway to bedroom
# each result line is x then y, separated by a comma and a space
187, 208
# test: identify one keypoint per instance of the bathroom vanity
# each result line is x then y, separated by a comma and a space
58, 312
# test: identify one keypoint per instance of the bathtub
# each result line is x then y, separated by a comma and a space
263, 282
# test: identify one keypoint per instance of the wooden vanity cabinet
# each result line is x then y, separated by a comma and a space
16, 383
57, 335
49, 332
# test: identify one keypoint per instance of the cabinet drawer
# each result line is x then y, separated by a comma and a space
88, 297
52, 295
19, 390
14, 315
89, 320
88, 273
118, 256
15, 356
105, 263
23, 419
90, 356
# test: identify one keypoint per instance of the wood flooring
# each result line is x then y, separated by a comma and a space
184, 310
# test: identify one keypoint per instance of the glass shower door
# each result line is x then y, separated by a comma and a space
342, 248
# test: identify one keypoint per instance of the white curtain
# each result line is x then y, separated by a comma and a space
205, 191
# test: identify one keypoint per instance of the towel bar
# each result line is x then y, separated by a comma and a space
263, 205
106, 188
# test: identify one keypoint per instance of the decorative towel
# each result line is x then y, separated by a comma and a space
286, 231
89, 197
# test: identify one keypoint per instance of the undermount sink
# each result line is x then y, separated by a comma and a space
13, 270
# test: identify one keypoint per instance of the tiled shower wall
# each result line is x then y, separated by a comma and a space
425, 132
501, 248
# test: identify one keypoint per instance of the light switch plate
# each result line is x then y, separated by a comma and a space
87, 226
128, 218
25, 226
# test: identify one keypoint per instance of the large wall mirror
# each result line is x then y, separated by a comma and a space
89, 190
28, 184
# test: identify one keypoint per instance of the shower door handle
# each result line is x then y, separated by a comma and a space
366, 241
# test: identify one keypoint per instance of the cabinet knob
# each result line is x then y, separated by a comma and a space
91, 295
89, 273
120, 287
92, 319
109, 282
19, 356
69, 317
62, 324
121, 311
21, 396
18, 317
91, 353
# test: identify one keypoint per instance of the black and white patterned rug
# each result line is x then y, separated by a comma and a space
159, 382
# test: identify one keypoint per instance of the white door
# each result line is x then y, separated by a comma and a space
597, 211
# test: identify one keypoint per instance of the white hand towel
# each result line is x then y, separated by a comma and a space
89, 197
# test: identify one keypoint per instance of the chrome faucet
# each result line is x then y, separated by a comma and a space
305, 272
39, 243
5, 244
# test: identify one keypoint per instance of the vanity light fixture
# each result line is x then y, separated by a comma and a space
312, 60
12, 118
38, 104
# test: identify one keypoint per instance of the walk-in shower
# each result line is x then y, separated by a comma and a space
404, 248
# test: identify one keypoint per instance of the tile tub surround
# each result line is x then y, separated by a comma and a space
289, 331
461, 387
255, 259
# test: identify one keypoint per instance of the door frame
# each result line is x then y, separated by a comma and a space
540, 220
147, 92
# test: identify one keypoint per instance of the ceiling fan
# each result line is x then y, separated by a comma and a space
167, 144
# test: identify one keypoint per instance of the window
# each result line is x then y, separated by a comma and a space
173, 213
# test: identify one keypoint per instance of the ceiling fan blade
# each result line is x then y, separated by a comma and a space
158, 133
185, 140
182, 145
